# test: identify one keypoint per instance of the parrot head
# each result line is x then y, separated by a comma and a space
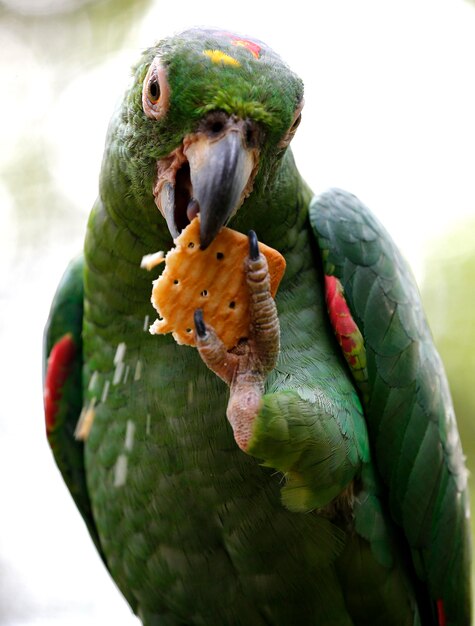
206, 121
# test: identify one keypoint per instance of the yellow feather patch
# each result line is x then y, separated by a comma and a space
217, 56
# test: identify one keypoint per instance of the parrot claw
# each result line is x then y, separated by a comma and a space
253, 246
200, 326
245, 368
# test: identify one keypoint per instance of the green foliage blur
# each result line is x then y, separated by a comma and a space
46, 46
448, 293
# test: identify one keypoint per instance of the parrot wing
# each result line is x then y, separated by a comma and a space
62, 381
407, 403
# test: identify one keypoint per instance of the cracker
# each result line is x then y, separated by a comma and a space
212, 280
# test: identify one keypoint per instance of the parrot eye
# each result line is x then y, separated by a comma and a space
287, 138
296, 123
155, 92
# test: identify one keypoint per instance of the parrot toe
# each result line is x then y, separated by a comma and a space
213, 351
264, 338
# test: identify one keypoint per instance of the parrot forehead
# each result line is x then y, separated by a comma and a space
235, 48
224, 54
220, 69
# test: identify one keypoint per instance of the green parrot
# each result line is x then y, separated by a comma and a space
313, 474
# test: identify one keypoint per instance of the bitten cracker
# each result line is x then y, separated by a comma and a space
212, 280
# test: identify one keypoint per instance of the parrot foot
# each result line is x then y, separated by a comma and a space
245, 367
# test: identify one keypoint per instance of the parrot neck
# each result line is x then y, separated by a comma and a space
127, 196
276, 210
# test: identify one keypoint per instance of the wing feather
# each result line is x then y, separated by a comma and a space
62, 366
408, 408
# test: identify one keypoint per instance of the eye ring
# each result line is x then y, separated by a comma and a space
155, 91
287, 138
296, 123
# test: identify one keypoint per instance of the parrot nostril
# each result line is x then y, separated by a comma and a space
217, 127
215, 123
252, 134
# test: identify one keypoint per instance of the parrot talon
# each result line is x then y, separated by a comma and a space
200, 326
253, 246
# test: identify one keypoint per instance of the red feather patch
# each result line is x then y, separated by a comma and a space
346, 331
253, 47
60, 362
441, 613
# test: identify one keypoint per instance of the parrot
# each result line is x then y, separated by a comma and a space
313, 474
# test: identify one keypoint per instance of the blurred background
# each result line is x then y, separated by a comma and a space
389, 115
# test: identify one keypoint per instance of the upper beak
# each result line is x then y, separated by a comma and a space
221, 165
222, 158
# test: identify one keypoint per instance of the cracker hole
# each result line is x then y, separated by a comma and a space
232, 304
175, 282
188, 330
219, 256
191, 245
204, 293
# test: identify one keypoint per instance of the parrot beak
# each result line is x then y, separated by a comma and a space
212, 175
221, 164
